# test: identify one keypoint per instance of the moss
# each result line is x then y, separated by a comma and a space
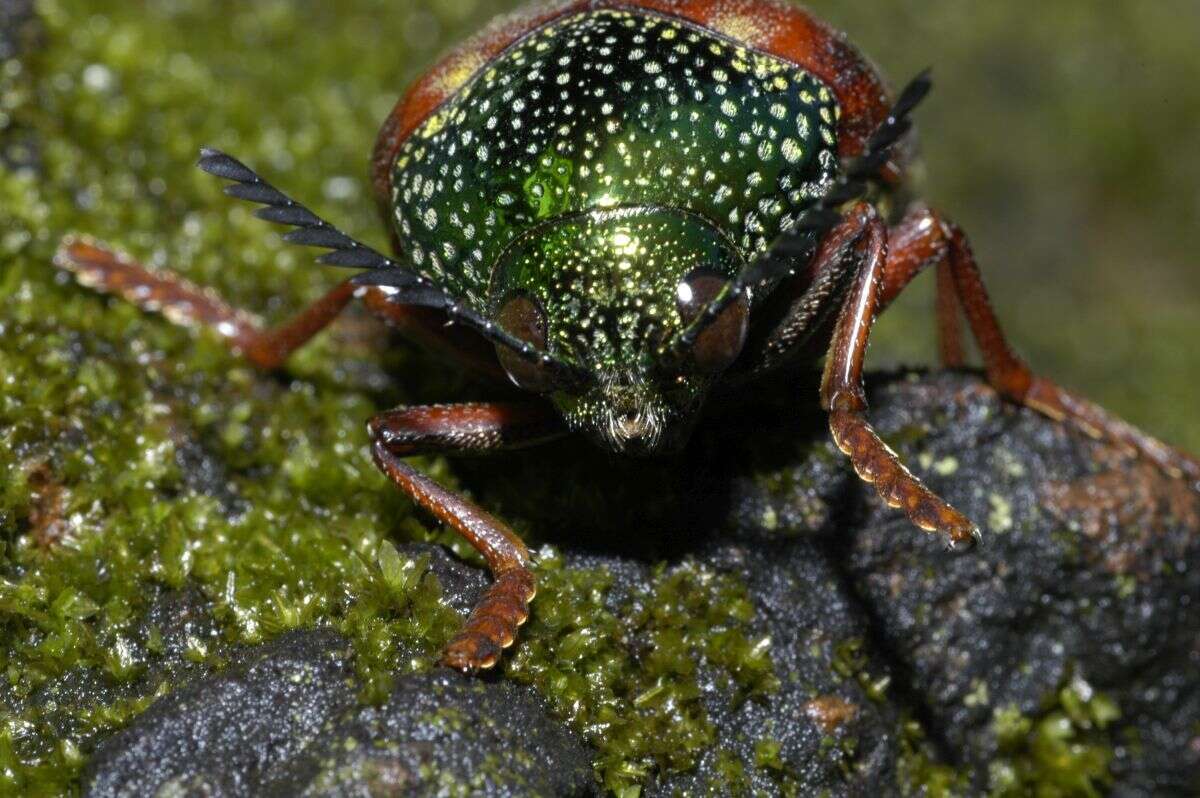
1000, 519
628, 676
920, 773
731, 773
296, 527
850, 662
1066, 751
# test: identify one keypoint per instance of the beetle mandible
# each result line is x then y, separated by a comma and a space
623, 206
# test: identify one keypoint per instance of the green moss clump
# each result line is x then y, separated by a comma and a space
627, 677
920, 774
161, 462
850, 661
1064, 753
731, 772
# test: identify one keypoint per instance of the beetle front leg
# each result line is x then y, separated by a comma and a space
842, 393
924, 238
189, 305
470, 428
914, 244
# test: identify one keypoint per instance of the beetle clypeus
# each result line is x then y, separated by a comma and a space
623, 206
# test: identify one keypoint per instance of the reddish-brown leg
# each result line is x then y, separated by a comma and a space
935, 240
468, 428
913, 246
429, 329
794, 317
493, 623
863, 234
463, 429
187, 304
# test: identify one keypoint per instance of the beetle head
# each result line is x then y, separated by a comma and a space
604, 292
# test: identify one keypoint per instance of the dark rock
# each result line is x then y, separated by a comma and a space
443, 733
830, 730
835, 733
219, 736
284, 719
1087, 581
1085, 586
158, 651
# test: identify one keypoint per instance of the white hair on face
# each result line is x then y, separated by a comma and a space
631, 408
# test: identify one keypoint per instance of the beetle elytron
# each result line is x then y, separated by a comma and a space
622, 206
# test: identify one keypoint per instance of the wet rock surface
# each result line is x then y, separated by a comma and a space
1087, 585
1062, 652
285, 719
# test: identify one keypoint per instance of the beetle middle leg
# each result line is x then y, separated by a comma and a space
923, 238
470, 429
863, 233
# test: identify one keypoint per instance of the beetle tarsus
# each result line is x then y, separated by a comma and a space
495, 619
877, 464
493, 623
106, 271
189, 305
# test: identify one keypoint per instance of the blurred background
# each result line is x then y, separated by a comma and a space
1062, 136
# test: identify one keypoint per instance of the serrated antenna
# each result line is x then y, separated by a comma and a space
311, 230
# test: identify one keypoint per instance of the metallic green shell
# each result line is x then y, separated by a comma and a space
609, 280
609, 109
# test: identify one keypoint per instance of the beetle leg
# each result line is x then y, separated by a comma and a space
796, 319
493, 622
927, 238
796, 315
842, 393
911, 248
431, 330
187, 304
469, 428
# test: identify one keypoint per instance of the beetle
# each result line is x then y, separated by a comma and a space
624, 206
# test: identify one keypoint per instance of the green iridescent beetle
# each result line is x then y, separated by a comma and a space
623, 207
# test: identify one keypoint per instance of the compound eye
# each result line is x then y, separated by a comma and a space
720, 343
523, 316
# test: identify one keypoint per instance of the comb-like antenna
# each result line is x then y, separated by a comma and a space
311, 230
801, 237
405, 287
